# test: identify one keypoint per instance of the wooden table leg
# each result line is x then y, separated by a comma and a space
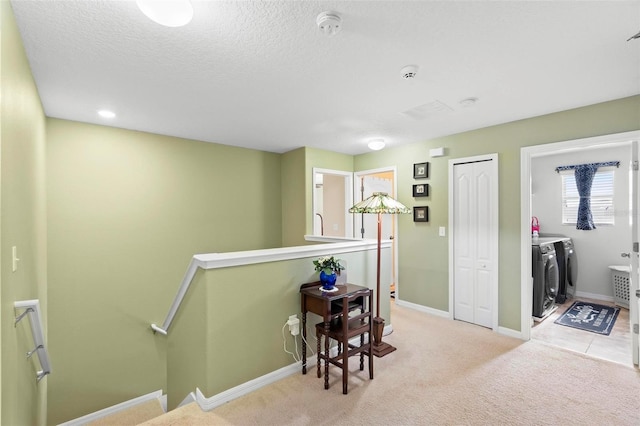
326, 354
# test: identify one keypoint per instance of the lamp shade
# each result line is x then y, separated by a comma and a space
380, 202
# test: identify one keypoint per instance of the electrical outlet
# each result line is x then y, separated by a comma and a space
294, 325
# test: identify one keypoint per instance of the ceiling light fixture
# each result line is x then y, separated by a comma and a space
170, 13
376, 144
329, 23
105, 113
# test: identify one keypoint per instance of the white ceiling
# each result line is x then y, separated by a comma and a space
261, 75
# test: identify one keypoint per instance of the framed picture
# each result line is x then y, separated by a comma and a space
421, 214
421, 170
421, 190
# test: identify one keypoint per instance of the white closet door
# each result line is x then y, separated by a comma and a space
474, 238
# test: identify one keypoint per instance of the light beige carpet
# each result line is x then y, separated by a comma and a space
443, 373
132, 416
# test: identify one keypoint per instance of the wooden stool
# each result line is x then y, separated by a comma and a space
345, 328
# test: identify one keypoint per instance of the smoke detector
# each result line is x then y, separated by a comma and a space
329, 23
409, 72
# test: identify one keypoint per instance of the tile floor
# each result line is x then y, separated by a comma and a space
615, 347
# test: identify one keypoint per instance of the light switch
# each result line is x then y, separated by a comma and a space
441, 231
14, 257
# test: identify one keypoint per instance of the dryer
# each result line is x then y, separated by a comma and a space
546, 277
570, 268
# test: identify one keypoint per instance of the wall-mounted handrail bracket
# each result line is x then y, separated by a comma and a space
22, 315
41, 374
31, 352
32, 308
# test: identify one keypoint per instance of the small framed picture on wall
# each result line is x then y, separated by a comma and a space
421, 170
421, 190
421, 214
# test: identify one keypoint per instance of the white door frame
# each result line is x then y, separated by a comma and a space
356, 190
495, 189
348, 199
526, 154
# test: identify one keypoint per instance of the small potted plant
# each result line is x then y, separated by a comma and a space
329, 268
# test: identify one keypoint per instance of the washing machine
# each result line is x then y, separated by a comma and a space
546, 277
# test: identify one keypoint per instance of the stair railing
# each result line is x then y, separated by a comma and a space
32, 309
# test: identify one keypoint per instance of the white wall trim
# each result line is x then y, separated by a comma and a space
208, 404
115, 409
594, 296
422, 308
238, 258
510, 332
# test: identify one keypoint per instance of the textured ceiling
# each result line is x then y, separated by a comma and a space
259, 74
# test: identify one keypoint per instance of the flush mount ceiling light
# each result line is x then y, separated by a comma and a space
170, 13
105, 113
376, 144
329, 23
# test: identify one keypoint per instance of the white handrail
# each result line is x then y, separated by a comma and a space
33, 310
224, 260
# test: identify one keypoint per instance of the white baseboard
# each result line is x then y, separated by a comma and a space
444, 314
207, 404
422, 308
594, 296
115, 409
510, 332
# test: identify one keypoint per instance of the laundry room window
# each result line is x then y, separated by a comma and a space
601, 197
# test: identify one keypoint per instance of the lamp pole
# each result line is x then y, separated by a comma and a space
379, 348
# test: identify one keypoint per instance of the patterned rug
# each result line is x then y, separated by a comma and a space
590, 317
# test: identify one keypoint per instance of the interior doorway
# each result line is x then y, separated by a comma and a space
629, 140
367, 182
332, 197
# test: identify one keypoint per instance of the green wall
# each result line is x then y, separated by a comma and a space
294, 187
23, 225
127, 210
423, 255
229, 328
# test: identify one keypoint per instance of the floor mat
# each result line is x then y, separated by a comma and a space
590, 317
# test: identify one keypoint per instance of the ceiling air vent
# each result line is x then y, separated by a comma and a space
427, 110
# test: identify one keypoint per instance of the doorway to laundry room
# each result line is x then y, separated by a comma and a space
599, 250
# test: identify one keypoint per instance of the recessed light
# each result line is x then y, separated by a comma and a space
105, 113
376, 144
170, 13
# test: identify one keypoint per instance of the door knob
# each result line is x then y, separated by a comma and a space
625, 255
391, 237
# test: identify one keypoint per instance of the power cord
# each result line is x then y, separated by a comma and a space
295, 356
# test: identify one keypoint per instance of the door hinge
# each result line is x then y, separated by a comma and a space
635, 247
634, 165
638, 293
635, 329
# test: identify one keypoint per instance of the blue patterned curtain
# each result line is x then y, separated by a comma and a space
584, 174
